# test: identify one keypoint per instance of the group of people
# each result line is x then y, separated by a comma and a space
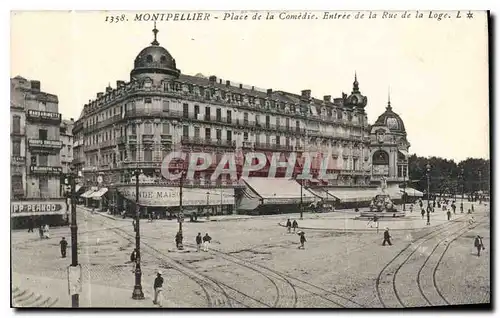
302, 235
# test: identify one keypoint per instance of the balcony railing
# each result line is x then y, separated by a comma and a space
148, 138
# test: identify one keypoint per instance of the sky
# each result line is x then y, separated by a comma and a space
436, 71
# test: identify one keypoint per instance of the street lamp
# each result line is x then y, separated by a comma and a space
301, 200
137, 293
75, 301
463, 184
428, 168
208, 206
181, 216
404, 187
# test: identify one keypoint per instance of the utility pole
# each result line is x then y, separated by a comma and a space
301, 200
137, 293
180, 201
75, 298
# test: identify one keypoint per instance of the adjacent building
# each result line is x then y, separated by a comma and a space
159, 109
35, 153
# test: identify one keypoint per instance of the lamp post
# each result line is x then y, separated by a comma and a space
404, 187
180, 216
75, 298
428, 169
137, 293
463, 184
301, 200
208, 206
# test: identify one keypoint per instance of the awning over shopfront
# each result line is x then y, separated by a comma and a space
97, 195
404, 153
279, 190
354, 194
412, 192
87, 194
322, 194
170, 196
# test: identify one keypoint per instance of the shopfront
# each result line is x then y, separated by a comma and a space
51, 212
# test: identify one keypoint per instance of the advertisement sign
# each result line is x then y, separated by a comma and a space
45, 143
27, 208
45, 170
169, 196
43, 114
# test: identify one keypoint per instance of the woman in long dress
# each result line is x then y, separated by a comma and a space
46, 231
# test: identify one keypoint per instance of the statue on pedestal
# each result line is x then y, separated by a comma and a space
383, 184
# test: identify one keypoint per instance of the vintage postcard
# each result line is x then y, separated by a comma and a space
250, 159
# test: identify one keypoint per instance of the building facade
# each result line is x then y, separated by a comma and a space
135, 124
35, 147
66, 154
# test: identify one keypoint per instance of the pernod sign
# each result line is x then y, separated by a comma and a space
26, 208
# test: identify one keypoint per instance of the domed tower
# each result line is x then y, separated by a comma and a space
154, 62
356, 99
389, 148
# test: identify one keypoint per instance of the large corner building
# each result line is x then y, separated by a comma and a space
159, 109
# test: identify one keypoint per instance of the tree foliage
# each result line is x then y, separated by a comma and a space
446, 176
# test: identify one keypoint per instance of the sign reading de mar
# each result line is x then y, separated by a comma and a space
169, 196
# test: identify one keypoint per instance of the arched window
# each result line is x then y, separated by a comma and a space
149, 58
380, 157
163, 59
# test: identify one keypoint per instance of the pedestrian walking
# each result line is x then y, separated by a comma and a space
46, 233
206, 242
472, 208
64, 245
288, 225
411, 208
198, 242
295, 225
387, 237
478, 243
423, 213
158, 288
134, 257
454, 208
31, 224
448, 213
428, 218
40, 232
461, 207
178, 240
302, 239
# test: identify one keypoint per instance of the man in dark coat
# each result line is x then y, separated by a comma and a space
387, 237
295, 225
64, 245
158, 287
478, 243
206, 242
423, 213
133, 258
448, 213
198, 242
288, 225
428, 218
461, 207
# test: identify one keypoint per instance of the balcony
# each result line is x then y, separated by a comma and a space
91, 147
107, 143
45, 145
45, 170
166, 139
132, 139
148, 139
17, 160
43, 117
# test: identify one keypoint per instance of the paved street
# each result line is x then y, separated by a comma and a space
254, 263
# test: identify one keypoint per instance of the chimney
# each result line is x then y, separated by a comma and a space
306, 93
100, 94
269, 91
327, 98
253, 88
120, 84
228, 83
241, 86
220, 81
109, 89
213, 79
35, 85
